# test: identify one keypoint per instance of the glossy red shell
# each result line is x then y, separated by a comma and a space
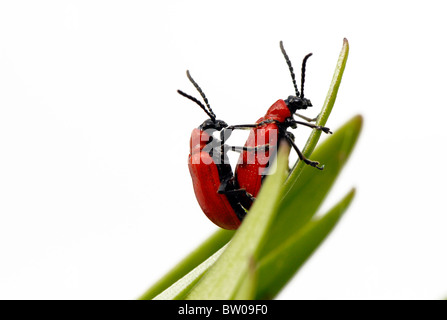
278, 111
206, 182
251, 166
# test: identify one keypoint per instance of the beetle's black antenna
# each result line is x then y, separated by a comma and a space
211, 113
290, 67
212, 116
303, 72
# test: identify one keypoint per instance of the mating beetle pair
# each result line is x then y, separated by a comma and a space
223, 196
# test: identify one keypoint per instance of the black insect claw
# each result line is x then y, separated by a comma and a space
315, 164
326, 130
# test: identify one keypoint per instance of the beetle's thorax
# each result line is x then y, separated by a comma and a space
279, 111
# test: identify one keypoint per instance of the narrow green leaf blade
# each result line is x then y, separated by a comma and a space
279, 266
249, 283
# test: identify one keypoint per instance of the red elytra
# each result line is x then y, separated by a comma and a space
207, 177
253, 166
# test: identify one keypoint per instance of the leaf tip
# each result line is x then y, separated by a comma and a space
358, 120
351, 193
345, 48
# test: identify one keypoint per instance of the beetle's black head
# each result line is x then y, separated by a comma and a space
217, 125
297, 103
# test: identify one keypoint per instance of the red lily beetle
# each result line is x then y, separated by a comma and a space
270, 129
214, 184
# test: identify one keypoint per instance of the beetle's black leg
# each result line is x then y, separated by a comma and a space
223, 186
239, 199
264, 147
241, 192
251, 126
307, 118
314, 164
310, 125
244, 200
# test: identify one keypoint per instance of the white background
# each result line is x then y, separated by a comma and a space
96, 200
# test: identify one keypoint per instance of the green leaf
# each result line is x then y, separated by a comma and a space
305, 197
249, 283
225, 277
204, 251
276, 269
